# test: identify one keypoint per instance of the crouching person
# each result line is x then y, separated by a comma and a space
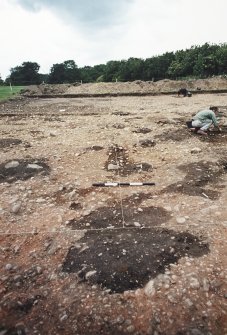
204, 119
183, 91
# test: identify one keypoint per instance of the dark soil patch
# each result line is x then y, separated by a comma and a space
118, 161
118, 126
177, 135
13, 330
89, 114
135, 168
8, 142
95, 148
111, 217
75, 206
198, 175
53, 119
24, 170
215, 137
146, 143
127, 259
121, 113
117, 215
142, 130
24, 306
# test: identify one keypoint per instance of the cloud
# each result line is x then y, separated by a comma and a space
153, 27
94, 32
89, 13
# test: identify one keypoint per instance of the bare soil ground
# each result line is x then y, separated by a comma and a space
79, 259
134, 87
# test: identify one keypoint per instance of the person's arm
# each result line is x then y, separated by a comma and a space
214, 119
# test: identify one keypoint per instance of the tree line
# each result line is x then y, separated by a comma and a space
197, 62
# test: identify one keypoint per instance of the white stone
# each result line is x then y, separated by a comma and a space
16, 207
8, 266
113, 167
180, 220
34, 166
188, 302
149, 289
195, 150
90, 274
12, 164
194, 283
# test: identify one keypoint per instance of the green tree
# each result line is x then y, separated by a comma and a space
66, 72
175, 69
112, 71
198, 69
221, 56
92, 74
131, 69
155, 68
44, 77
57, 74
25, 74
72, 72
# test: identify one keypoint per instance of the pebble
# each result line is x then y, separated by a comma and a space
180, 220
40, 200
171, 298
16, 249
16, 208
38, 269
206, 285
12, 164
149, 289
188, 302
195, 150
168, 208
63, 317
90, 274
8, 267
34, 166
130, 329
113, 167
194, 283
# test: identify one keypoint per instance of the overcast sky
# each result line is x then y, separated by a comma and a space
94, 32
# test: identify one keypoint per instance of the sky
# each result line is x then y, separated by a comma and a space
93, 32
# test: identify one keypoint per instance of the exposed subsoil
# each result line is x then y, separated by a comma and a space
79, 259
135, 87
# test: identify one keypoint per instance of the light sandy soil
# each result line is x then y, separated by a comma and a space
79, 259
134, 87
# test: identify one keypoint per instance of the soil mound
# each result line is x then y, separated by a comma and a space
138, 86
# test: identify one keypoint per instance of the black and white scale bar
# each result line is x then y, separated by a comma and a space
123, 184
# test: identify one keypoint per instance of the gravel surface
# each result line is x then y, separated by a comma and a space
79, 259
